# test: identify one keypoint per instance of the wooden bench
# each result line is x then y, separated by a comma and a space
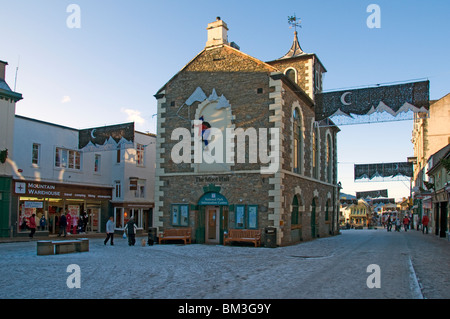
243, 235
183, 234
49, 247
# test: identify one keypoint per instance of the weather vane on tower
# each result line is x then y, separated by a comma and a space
294, 22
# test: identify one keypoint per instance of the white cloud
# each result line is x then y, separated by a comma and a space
65, 99
133, 116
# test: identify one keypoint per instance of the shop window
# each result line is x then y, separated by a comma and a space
118, 216
179, 215
137, 215
35, 154
252, 217
246, 218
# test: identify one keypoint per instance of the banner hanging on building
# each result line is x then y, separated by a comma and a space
371, 171
372, 194
374, 104
105, 138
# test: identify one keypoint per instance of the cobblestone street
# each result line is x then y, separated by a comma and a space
412, 265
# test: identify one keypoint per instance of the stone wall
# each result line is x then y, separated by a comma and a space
259, 98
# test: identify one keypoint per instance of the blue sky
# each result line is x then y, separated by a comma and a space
107, 71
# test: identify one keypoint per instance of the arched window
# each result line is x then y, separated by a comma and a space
298, 141
291, 74
294, 214
329, 160
313, 219
315, 152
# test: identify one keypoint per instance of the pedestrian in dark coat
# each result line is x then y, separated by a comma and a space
62, 225
130, 230
389, 223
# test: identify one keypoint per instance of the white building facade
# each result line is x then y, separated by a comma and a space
52, 176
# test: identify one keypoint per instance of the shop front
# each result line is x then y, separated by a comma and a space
142, 213
440, 202
86, 207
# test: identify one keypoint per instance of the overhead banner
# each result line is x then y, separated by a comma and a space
371, 171
374, 104
372, 194
105, 138
383, 201
350, 201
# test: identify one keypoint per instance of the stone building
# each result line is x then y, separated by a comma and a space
8, 100
439, 173
430, 134
268, 162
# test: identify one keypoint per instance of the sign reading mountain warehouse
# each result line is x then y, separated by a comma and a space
105, 138
56, 190
373, 104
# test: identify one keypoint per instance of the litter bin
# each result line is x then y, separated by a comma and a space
270, 237
152, 238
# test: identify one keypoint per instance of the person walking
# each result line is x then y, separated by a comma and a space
42, 222
85, 221
32, 225
398, 224
74, 224
406, 223
68, 223
130, 229
425, 221
62, 225
110, 231
389, 223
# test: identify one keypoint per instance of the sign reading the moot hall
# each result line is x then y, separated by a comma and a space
105, 138
373, 104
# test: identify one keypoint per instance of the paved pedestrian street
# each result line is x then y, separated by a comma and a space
359, 264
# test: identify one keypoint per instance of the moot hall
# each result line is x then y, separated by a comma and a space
297, 198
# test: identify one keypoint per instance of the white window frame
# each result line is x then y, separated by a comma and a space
97, 163
67, 158
140, 155
38, 157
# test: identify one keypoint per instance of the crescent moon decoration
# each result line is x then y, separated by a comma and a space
92, 133
343, 96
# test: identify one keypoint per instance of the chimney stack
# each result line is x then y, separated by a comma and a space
3, 65
217, 33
